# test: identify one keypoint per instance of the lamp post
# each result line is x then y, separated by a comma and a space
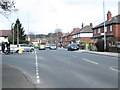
12, 28
57, 33
104, 26
17, 35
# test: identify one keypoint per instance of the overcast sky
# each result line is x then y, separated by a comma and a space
44, 16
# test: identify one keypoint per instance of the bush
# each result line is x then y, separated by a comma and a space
24, 42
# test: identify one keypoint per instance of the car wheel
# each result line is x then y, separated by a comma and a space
31, 50
68, 49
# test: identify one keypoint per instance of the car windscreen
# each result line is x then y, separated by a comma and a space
24, 45
53, 45
73, 45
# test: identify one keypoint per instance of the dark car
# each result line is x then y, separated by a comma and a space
71, 47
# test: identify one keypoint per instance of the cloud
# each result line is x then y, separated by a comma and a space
43, 15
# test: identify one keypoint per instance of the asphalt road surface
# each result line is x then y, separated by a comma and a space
66, 69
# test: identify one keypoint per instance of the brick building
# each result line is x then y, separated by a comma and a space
112, 29
84, 34
79, 35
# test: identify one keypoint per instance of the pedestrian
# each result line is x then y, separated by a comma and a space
3, 47
8, 47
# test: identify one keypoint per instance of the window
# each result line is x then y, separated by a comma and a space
110, 27
76, 35
105, 29
99, 30
95, 31
73, 36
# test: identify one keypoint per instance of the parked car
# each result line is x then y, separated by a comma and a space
47, 46
13, 48
53, 46
71, 47
24, 47
41, 47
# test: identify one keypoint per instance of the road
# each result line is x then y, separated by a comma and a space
66, 69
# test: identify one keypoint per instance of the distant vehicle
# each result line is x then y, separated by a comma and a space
53, 46
13, 48
71, 47
41, 47
47, 46
24, 47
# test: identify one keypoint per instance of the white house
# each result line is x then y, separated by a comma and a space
4, 34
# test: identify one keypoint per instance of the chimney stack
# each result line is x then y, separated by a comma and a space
82, 25
91, 25
109, 16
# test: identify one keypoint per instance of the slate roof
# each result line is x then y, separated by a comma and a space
65, 34
75, 31
5, 33
86, 29
114, 20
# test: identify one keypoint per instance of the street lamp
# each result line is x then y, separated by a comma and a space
17, 35
12, 28
104, 26
57, 33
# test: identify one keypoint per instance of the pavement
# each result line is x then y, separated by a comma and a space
14, 78
112, 54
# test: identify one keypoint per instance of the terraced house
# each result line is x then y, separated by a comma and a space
79, 35
112, 29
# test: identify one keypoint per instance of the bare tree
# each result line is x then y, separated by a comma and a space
7, 7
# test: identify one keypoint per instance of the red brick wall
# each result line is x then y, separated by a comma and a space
85, 39
70, 38
117, 32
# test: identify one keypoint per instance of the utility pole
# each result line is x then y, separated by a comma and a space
104, 26
28, 28
12, 28
17, 35
57, 32
50, 38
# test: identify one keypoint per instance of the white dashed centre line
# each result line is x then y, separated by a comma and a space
90, 61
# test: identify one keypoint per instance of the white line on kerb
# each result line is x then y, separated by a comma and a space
89, 61
36, 65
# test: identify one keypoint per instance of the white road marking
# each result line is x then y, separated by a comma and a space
75, 56
37, 71
90, 61
111, 67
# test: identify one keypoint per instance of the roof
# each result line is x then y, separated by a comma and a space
65, 34
75, 30
114, 20
86, 29
5, 33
